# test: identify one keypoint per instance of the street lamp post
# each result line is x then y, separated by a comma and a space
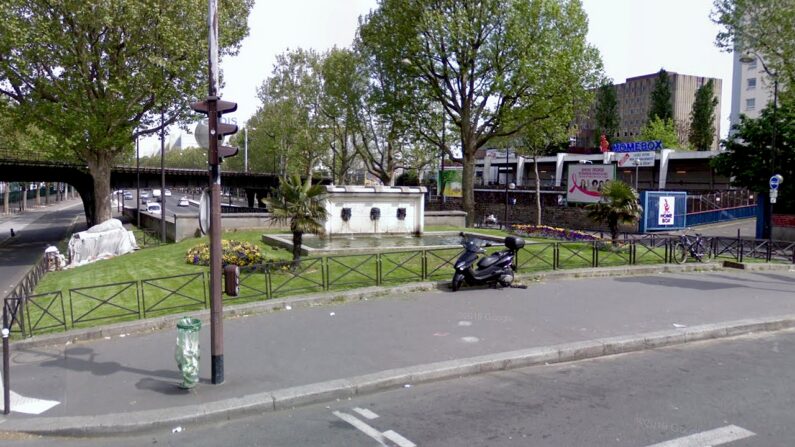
745, 59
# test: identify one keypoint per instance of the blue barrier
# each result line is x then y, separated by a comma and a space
722, 215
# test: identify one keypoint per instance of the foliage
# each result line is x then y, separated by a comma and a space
96, 74
607, 117
302, 204
665, 131
661, 105
547, 232
764, 26
491, 67
618, 204
238, 253
749, 158
702, 118
408, 178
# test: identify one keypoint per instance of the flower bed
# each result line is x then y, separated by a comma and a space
547, 232
234, 253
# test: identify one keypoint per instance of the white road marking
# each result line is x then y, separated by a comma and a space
366, 413
709, 438
470, 339
28, 405
399, 440
361, 426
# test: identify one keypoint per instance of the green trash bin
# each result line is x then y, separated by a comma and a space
187, 351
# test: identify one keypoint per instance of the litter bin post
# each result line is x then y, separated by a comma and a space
187, 350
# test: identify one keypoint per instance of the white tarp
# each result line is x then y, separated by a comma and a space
101, 241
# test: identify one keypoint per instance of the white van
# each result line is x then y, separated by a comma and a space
153, 208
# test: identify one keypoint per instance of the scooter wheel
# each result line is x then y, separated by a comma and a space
458, 279
506, 280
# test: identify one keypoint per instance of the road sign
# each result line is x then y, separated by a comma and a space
775, 181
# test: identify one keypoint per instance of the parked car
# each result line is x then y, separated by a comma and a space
128, 195
183, 201
153, 208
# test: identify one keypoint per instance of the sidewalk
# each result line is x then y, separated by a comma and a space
308, 354
18, 221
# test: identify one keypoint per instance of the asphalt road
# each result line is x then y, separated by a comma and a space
735, 392
34, 232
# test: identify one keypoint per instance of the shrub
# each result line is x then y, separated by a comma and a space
234, 253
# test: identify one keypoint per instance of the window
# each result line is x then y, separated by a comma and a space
751, 84
750, 104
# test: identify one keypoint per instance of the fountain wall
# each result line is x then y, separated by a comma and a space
375, 209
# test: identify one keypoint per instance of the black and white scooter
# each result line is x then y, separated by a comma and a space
495, 269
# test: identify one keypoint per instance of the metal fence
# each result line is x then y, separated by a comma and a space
107, 303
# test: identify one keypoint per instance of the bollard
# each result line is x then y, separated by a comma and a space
6, 372
187, 351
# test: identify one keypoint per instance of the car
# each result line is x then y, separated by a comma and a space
144, 194
167, 192
156, 194
128, 195
153, 208
183, 201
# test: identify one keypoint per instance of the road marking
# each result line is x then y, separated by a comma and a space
381, 438
709, 438
361, 426
28, 405
366, 413
399, 440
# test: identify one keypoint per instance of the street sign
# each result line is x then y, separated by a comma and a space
635, 159
775, 181
204, 212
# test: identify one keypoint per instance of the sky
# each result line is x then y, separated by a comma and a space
634, 37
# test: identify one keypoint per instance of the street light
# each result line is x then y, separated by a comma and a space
747, 58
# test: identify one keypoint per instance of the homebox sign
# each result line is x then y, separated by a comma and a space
665, 214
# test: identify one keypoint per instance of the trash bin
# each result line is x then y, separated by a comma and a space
187, 351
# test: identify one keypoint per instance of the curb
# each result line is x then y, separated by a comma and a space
390, 379
330, 298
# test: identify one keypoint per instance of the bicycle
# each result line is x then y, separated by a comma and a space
696, 247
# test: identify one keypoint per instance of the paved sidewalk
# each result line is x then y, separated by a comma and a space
314, 353
19, 221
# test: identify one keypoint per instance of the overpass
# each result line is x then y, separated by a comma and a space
126, 177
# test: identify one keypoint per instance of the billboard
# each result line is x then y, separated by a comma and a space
663, 211
666, 209
635, 159
585, 182
451, 182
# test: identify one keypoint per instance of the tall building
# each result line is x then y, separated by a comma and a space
634, 98
752, 88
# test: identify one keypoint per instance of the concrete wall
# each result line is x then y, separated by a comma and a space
445, 218
361, 200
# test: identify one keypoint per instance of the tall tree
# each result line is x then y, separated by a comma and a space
661, 106
765, 26
97, 74
702, 118
663, 130
607, 118
494, 67
750, 158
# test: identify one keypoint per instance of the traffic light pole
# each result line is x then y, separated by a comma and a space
216, 305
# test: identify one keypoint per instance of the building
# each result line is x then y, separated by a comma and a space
634, 98
752, 88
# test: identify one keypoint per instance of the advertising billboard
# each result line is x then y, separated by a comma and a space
635, 159
585, 182
451, 181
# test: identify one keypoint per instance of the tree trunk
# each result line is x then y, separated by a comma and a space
24, 196
538, 191
99, 165
46, 193
468, 180
6, 197
38, 194
298, 237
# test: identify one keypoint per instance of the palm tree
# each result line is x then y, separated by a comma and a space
619, 204
302, 205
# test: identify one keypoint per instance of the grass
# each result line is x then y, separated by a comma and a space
157, 281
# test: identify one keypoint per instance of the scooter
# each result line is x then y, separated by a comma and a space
495, 269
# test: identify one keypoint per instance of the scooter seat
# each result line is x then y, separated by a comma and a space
489, 260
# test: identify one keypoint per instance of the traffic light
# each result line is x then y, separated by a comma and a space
214, 107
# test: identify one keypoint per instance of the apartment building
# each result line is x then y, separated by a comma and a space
634, 100
752, 88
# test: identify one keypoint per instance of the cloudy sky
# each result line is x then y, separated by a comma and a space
635, 37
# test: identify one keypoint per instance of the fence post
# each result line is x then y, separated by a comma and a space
595, 254
424, 264
378, 269
769, 253
555, 255
633, 254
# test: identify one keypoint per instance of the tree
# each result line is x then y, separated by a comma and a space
607, 118
661, 105
302, 205
702, 118
749, 159
619, 204
663, 130
493, 67
764, 26
97, 74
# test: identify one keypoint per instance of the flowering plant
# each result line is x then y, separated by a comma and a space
548, 232
234, 253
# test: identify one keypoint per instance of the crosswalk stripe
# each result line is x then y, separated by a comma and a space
709, 438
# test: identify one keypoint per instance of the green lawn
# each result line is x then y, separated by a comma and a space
157, 280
